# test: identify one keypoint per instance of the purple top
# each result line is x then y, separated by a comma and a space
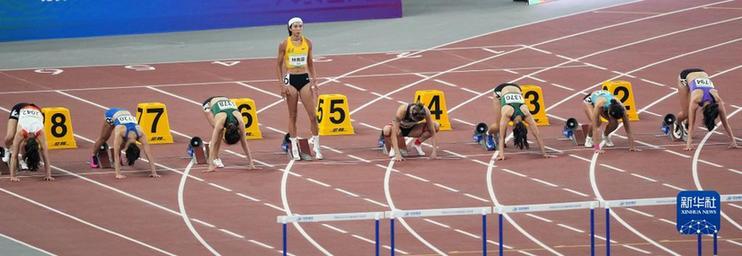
706, 86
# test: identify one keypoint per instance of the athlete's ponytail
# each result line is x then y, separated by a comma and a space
32, 156
132, 154
232, 133
520, 135
710, 112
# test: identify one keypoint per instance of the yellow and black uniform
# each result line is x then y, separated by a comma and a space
296, 57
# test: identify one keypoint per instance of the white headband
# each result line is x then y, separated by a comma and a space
295, 20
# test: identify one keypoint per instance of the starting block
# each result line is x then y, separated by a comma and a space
668, 123
387, 145
198, 151
105, 157
575, 132
305, 153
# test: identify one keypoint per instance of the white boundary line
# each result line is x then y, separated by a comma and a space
184, 215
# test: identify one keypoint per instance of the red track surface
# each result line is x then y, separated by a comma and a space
640, 39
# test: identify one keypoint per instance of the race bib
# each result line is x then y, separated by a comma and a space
30, 113
297, 60
703, 83
512, 98
126, 119
226, 105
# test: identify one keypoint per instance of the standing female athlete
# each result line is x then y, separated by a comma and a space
224, 117
126, 133
602, 104
412, 120
695, 90
26, 131
509, 106
294, 68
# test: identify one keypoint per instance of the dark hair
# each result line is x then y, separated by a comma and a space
685, 72
232, 135
520, 135
290, 34
417, 111
132, 154
615, 109
710, 112
32, 156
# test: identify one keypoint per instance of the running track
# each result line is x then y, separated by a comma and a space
87, 212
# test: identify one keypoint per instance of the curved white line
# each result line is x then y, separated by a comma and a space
181, 207
694, 166
26, 244
594, 185
491, 191
390, 202
285, 202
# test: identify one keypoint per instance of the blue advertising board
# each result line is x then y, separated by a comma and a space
39, 19
698, 212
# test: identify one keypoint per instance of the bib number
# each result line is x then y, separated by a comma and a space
704, 83
127, 119
30, 113
226, 104
512, 98
297, 60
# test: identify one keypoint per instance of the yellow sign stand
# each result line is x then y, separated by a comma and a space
622, 91
153, 119
435, 101
534, 99
333, 115
58, 128
247, 108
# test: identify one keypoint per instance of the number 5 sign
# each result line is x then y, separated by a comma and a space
333, 116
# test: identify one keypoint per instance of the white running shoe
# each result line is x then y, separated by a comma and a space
315, 144
6, 155
588, 142
295, 149
419, 149
608, 141
22, 163
218, 163
391, 152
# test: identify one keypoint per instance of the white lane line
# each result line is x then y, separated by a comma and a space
490, 50
363, 239
653, 82
640, 212
735, 171
668, 221
258, 89
381, 96
510, 71
643, 177
463, 122
582, 158
334, 228
421, 75
331, 149
84, 100
479, 162
396, 250
469, 90
562, 86
233, 234
526, 253
173, 95
436, 223
476, 197
623, 74
346, 192
446, 83
248, 197
735, 206
545, 183
613, 168
359, 158
603, 238
571, 228
219, 187
635, 249
455, 154
576, 192
376, 202
734, 242
652, 113
417, 177
446, 187
355, 87
26, 244
514, 173
536, 78
710, 163
629, 12
273, 206
85, 222
260, 244
677, 154
203, 223
318, 182
673, 187
370, 126
539, 217
468, 234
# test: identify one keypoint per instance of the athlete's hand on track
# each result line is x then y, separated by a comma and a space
634, 149
154, 175
688, 148
549, 156
49, 178
501, 156
15, 179
733, 145
119, 176
398, 157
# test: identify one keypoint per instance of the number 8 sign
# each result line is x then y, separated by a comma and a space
58, 128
